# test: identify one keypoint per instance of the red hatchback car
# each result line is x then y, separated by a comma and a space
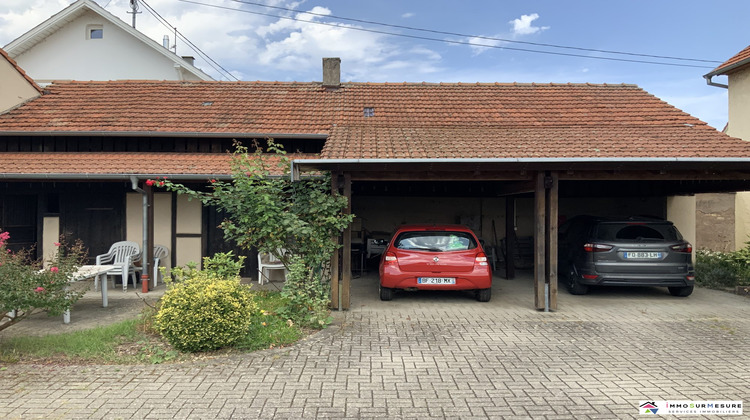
435, 257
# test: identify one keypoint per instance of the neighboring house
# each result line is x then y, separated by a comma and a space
16, 87
507, 159
86, 42
724, 219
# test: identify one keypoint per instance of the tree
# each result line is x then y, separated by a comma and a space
270, 212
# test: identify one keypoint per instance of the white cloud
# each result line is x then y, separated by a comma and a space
523, 25
408, 15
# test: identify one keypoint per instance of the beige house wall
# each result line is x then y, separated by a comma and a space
739, 126
681, 211
189, 222
14, 88
50, 236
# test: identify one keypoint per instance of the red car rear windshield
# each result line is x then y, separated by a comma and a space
637, 231
435, 241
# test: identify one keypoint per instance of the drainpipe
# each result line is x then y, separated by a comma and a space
144, 248
712, 83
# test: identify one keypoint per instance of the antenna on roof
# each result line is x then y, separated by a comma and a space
134, 10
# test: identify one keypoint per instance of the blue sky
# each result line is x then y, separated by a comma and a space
255, 47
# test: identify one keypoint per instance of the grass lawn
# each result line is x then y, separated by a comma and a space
135, 341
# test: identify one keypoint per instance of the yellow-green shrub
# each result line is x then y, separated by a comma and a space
205, 312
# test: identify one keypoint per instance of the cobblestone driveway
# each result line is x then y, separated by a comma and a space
435, 355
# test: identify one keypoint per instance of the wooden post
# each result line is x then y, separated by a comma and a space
346, 266
551, 234
510, 237
540, 253
335, 257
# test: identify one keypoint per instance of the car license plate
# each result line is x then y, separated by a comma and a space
643, 255
436, 280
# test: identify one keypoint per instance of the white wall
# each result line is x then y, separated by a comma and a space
68, 55
681, 211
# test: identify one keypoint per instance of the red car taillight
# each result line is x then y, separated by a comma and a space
390, 258
481, 259
593, 247
682, 248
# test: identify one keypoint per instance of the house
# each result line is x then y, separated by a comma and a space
16, 86
86, 42
724, 219
511, 160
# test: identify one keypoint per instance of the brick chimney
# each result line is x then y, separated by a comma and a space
331, 72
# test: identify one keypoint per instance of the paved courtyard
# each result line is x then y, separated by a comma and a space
434, 355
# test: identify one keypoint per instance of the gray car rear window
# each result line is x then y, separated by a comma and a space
440, 241
636, 232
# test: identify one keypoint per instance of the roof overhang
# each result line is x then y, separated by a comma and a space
557, 164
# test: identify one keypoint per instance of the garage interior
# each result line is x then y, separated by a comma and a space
537, 202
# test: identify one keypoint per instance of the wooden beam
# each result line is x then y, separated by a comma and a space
440, 176
514, 188
334, 304
673, 175
510, 237
540, 216
148, 253
346, 266
551, 224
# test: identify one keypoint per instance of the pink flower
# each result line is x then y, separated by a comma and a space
149, 182
39, 289
57, 243
54, 269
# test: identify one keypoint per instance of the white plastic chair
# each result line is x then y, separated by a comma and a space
269, 261
160, 254
122, 254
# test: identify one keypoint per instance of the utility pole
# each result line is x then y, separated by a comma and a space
134, 10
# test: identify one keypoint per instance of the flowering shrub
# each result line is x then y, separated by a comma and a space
266, 212
205, 312
27, 288
722, 269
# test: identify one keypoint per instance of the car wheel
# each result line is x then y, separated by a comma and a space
576, 288
386, 293
484, 295
681, 291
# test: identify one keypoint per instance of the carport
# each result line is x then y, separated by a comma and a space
546, 181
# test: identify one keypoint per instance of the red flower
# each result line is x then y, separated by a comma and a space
149, 182
212, 181
54, 269
39, 289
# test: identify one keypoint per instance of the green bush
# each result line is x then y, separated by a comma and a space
722, 269
205, 312
308, 296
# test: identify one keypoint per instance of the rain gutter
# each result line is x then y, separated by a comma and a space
710, 82
144, 256
189, 134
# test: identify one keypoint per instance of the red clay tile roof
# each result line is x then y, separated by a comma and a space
741, 58
408, 120
114, 164
20, 70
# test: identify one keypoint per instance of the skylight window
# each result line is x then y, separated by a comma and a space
369, 112
94, 32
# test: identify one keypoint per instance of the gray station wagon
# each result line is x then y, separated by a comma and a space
630, 252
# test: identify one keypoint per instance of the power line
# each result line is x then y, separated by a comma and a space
211, 62
448, 41
411, 28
